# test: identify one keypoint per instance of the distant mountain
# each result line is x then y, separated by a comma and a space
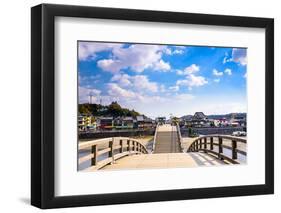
186, 117
227, 116
217, 116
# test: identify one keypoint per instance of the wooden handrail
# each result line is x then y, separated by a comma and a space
126, 146
154, 138
180, 137
201, 144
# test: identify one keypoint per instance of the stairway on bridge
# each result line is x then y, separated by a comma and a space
167, 140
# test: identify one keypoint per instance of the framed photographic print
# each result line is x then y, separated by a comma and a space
139, 106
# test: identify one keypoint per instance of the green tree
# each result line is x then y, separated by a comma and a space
115, 109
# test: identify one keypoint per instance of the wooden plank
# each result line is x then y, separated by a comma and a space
89, 144
103, 151
221, 156
85, 158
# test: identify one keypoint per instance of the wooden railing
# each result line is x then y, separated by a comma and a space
206, 144
180, 137
115, 148
154, 138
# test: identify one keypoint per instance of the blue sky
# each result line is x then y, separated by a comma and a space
159, 80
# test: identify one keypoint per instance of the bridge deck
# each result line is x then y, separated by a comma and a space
165, 160
167, 140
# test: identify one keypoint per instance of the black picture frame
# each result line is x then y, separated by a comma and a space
43, 102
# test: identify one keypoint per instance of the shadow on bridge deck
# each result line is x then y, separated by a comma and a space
164, 160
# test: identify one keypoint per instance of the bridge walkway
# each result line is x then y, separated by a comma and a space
165, 160
167, 140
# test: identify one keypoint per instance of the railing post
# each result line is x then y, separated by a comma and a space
197, 145
110, 153
121, 144
211, 143
220, 148
129, 146
95, 153
134, 148
234, 150
200, 143
205, 144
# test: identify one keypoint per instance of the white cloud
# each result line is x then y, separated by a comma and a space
217, 80
85, 93
189, 70
162, 66
174, 88
115, 90
137, 82
162, 88
141, 82
138, 57
217, 73
88, 50
177, 51
226, 58
123, 79
192, 81
192, 69
239, 55
168, 51
184, 97
228, 71
110, 65
84, 80
245, 75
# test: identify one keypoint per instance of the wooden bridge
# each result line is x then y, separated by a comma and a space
166, 140
169, 151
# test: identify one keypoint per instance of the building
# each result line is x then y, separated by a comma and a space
140, 121
161, 120
148, 123
86, 122
128, 122
105, 123
199, 119
238, 119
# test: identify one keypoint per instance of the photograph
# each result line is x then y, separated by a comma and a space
139, 105
150, 106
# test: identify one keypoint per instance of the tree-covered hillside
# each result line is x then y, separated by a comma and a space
114, 109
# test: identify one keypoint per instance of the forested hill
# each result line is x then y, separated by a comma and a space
114, 109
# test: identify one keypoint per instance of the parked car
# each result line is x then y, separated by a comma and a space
239, 133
